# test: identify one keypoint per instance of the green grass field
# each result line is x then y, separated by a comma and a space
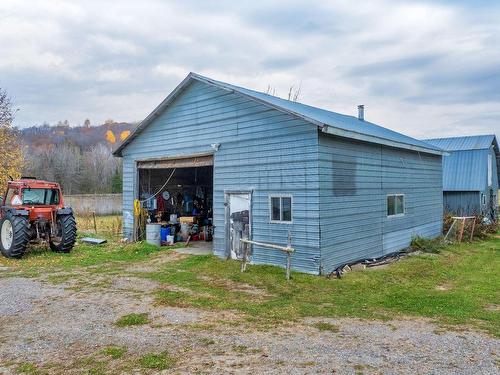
458, 286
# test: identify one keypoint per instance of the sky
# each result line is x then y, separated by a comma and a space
424, 68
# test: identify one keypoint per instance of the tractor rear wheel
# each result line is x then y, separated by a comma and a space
66, 234
14, 235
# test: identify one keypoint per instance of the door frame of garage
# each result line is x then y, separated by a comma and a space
169, 162
184, 161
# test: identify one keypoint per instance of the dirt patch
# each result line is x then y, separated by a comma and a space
135, 284
63, 331
237, 287
444, 287
156, 262
492, 307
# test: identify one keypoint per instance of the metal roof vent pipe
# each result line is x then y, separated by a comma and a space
361, 112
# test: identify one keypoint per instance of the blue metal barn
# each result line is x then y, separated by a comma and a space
471, 174
345, 188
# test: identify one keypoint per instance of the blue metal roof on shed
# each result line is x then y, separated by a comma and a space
324, 117
473, 142
330, 122
465, 170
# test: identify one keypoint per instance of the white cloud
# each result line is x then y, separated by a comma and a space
419, 67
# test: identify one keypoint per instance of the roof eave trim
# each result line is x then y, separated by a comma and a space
328, 129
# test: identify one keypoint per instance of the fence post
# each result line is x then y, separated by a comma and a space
95, 223
245, 248
289, 256
288, 250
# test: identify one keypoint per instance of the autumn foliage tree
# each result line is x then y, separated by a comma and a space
11, 161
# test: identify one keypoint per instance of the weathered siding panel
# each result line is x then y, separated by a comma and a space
419, 177
355, 178
262, 150
461, 203
350, 203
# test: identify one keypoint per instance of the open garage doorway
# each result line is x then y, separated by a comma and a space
177, 194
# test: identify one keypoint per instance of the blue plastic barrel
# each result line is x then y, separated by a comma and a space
164, 232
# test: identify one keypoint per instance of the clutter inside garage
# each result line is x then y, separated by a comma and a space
175, 205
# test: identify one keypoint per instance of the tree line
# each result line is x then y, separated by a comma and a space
79, 171
78, 157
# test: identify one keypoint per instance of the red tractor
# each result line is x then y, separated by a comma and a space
33, 211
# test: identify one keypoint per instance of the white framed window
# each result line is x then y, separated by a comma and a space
483, 199
395, 205
280, 208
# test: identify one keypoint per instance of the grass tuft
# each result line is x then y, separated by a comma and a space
427, 245
132, 320
157, 361
27, 368
115, 352
324, 326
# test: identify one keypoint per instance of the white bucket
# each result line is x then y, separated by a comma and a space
170, 240
153, 234
185, 230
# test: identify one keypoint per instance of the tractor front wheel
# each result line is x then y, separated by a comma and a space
66, 234
14, 235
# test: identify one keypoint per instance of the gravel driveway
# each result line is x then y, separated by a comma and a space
56, 327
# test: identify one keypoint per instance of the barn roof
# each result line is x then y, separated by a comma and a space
330, 122
465, 171
473, 142
465, 167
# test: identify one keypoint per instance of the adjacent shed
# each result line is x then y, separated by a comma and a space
471, 174
345, 188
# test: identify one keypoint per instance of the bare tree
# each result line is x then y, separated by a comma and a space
99, 165
6, 112
293, 94
10, 149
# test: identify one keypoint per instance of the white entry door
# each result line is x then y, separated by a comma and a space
238, 222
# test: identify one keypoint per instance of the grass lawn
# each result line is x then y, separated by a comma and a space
458, 286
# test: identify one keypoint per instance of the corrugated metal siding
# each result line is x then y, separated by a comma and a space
465, 170
475, 142
461, 202
355, 179
262, 150
469, 170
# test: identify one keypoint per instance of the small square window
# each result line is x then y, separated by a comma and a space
395, 204
281, 209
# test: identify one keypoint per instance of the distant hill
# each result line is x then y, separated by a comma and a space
84, 137
78, 157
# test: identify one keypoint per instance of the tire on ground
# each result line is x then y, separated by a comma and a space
67, 232
19, 233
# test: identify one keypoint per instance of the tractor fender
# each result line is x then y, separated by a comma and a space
65, 211
16, 212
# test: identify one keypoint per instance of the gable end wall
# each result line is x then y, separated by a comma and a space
261, 149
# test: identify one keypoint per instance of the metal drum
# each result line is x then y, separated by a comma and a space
153, 234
